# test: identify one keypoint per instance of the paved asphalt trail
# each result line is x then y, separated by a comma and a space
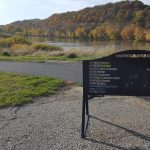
63, 70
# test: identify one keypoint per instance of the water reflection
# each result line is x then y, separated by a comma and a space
87, 45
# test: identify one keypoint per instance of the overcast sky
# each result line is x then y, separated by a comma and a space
13, 10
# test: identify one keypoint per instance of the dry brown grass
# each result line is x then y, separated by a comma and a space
45, 50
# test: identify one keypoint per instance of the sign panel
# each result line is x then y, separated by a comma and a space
124, 73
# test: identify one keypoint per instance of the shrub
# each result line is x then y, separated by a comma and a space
6, 53
61, 54
46, 47
20, 40
16, 47
72, 55
5, 42
8, 42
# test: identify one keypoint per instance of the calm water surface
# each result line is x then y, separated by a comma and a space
85, 45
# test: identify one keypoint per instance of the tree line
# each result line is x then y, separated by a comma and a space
127, 20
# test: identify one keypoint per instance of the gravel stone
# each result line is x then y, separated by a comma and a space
53, 123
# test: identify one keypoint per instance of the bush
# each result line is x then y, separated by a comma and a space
20, 40
19, 47
72, 55
5, 43
61, 54
5, 53
46, 47
8, 42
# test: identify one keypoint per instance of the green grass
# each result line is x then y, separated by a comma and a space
21, 89
42, 58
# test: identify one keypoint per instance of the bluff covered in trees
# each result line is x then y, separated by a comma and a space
127, 20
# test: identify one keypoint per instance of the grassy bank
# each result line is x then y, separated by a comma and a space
21, 49
42, 58
20, 89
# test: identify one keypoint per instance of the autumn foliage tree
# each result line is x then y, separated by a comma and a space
127, 20
113, 32
147, 36
98, 33
128, 32
139, 17
139, 34
80, 32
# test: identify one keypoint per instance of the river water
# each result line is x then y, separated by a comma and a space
87, 45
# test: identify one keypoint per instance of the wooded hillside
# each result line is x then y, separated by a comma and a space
121, 20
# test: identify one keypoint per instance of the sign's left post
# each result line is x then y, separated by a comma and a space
85, 106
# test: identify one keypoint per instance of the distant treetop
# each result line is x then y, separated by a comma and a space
129, 19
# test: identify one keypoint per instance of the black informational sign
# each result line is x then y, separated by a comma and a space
125, 73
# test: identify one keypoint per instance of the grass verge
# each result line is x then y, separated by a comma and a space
22, 49
42, 58
21, 89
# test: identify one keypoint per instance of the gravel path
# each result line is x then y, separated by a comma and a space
53, 123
